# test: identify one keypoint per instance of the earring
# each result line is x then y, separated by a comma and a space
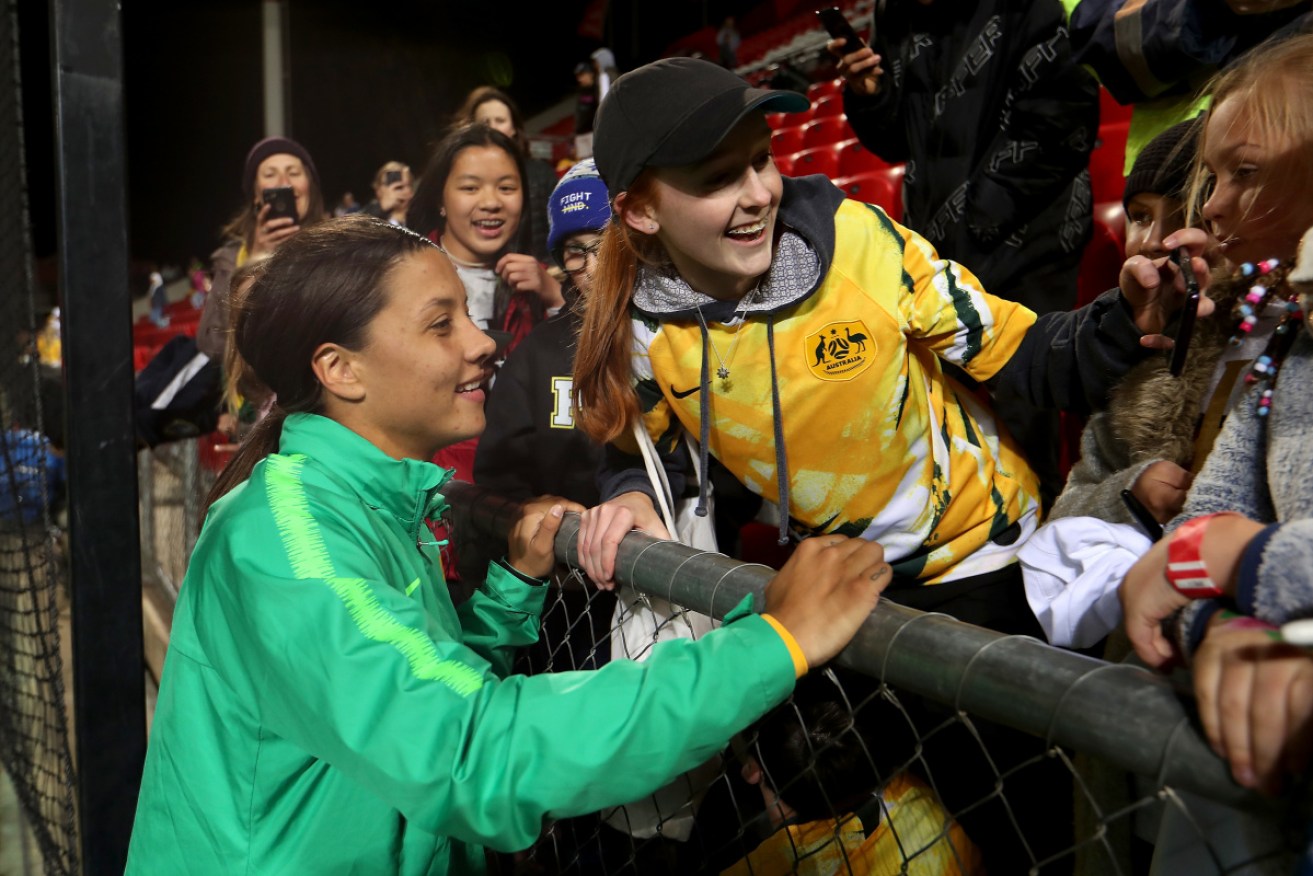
442, 211
651, 227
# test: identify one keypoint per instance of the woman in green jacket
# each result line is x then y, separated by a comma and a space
324, 707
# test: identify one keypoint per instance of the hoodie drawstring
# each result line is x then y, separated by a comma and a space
704, 414
781, 462
777, 417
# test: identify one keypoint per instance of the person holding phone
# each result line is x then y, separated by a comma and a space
282, 195
995, 122
394, 186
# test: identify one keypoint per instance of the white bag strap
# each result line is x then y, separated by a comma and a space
656, 473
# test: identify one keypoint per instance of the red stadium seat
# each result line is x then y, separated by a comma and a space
1106, 162
779, 120
785, 141
1110, 111
827, 105
826, 131
817, 90
854, 158
822, 159
141, 356
884, 188
785, 164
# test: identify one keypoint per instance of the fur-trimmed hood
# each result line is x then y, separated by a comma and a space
1156, 414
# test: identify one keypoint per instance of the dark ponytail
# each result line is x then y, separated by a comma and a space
259, 442
324, 285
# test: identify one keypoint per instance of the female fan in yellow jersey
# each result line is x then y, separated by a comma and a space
802, 339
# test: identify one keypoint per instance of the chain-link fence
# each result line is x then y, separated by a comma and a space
929, 747
35, 747
173, 481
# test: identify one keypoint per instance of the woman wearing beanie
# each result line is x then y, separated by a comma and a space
274, 162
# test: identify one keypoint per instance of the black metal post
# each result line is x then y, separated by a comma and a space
105, 563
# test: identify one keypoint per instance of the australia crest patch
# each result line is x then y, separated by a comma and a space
839, 350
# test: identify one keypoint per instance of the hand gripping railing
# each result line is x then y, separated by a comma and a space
1119, 713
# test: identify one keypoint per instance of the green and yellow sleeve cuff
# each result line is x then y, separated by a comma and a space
800, 666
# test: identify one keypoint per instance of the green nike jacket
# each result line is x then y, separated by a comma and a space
325, 709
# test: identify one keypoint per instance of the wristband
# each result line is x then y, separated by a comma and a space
1186, 571
800, 666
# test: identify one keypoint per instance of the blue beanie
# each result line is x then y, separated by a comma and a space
579, 202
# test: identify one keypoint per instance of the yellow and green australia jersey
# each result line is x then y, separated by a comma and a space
879, 441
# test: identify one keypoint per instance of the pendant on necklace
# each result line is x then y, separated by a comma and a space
722, 372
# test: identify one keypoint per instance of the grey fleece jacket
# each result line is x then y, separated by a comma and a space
1262, 467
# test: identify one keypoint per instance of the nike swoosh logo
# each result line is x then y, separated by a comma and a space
685, 394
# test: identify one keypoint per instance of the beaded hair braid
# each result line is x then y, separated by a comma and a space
1268, 280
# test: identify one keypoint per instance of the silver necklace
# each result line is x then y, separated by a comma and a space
723, 371
464, 264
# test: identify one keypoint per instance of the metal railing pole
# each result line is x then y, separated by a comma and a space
1122, 714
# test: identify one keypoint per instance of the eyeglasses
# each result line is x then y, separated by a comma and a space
574, 258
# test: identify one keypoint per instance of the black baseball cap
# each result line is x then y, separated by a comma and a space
674, 112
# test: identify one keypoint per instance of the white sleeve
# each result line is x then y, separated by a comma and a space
1072, 569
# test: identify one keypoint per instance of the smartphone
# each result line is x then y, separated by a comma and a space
838, 27
1189, 312
392, 177
1151, 526
282, 203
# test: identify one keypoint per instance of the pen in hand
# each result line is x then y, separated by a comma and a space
1189, 312
1142, 516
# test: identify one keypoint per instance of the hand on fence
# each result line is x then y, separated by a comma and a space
1255, 699
603, 527
1155, 289
861, 69
1147, 600
824, 592
531, 546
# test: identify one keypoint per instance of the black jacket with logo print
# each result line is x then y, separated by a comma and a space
996, 122
530, 446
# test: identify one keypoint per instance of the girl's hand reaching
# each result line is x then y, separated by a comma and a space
524, 273
1155, 289
531, 546
859, 68
604, 526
